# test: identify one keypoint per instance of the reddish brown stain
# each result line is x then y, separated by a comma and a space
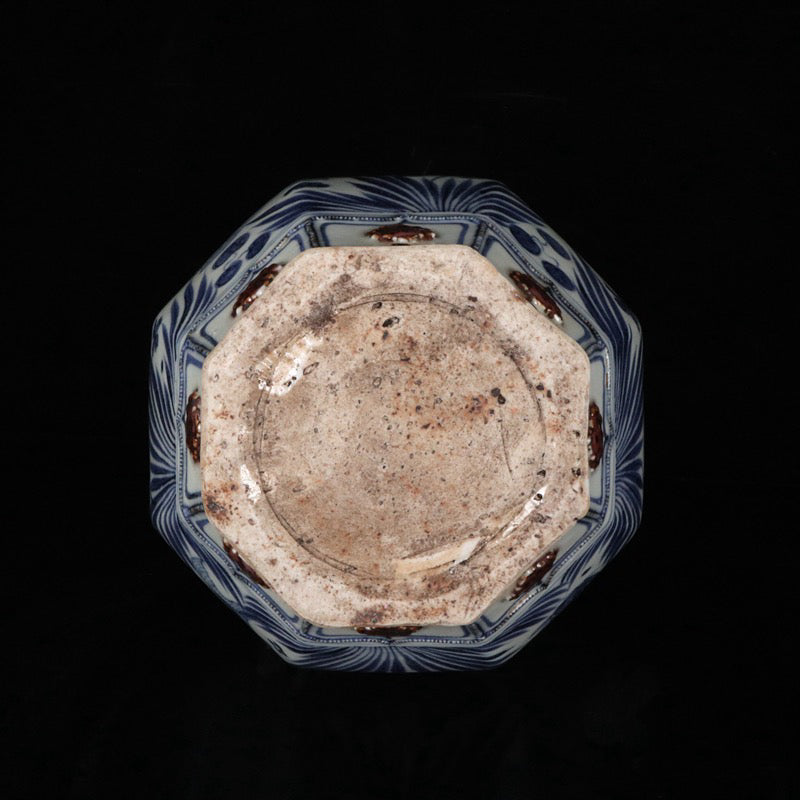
243, 565
393, 631
535, 293
595, 435
476, 404
214, 507
263, 279
401, 231
369, 617
540, 568
193, 425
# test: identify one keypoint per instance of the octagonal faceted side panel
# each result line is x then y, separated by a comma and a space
490, 209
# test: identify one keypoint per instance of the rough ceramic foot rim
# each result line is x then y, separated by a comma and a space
392, 435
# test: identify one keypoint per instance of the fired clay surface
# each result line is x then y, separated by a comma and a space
392, 435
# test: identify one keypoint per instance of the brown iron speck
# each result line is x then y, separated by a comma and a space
243, 565
595, 435
532, 576
536, 294
250, 292
401, 233
193, 425
388, 631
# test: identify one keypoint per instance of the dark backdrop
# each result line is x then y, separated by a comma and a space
657, 142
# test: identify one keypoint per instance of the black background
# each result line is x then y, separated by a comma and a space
657, 142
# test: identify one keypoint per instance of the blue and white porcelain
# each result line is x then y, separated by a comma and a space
480, 214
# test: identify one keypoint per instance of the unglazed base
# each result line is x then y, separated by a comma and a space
391, 436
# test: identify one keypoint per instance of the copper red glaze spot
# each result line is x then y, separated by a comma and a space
193, 425
536, 294
243, 565
595, 435
540, 568
396, 630
401, 233
262, 280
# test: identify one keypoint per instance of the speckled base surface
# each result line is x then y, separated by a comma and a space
391, 436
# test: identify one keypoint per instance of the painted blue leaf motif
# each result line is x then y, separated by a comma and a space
230, 250
555, 244
257, 245
173, 313
188, 297
447, 190
305, 185
525, 239
558, 275
229, 273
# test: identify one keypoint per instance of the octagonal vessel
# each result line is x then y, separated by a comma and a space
396, 423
